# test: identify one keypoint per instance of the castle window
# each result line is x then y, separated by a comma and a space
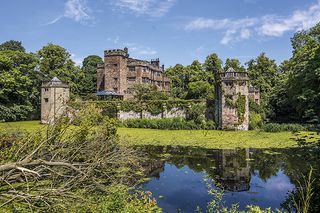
115, 65
46, 100
115, 89
145, 70
115, 80
46, 89
145, 80
132, 69
131, 78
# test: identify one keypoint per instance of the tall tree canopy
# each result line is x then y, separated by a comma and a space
235, 64
190, 82
19, 77
12, 45
88, 76
301, 79
56, 61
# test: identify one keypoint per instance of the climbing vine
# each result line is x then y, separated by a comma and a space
155, 107
241, 107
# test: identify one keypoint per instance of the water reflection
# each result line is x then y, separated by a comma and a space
248, 176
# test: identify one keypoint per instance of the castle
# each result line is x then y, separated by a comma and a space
117, 75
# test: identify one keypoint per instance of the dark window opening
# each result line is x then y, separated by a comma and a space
46, 100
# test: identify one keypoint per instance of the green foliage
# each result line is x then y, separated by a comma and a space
196, 113
120, 200
235, 64
263, 73
298, 93
87, 78
155, 107
213, 64
168, 123
54, 60
142, 92
84, 168
241, 107
255, 121
190, 82
19, 85
12, 45
275, 127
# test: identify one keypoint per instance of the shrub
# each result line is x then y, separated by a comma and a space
167, 123
274, 127
255, 121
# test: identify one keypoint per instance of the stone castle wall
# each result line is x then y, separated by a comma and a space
172, 113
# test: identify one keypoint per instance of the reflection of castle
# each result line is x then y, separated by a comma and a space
233, 170
229, 168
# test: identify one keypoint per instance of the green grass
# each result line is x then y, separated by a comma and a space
211, 138
203, 138
22, 125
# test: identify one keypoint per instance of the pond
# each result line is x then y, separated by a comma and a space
179, 176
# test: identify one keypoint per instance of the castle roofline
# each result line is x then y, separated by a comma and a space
55, 82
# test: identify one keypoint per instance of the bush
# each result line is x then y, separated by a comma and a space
168, 123
274, 127
255, 121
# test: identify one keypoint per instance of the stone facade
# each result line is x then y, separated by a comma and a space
172, 113
232, 100
119, 73
54, 97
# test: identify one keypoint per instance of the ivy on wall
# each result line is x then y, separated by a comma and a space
154, 107
241, 107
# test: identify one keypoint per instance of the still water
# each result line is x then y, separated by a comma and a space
179, 176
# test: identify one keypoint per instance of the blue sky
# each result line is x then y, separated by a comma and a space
176, 31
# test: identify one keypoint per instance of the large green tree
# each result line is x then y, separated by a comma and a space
263, 73
301, 80
190, 82
56, 61
19, 85
87, 80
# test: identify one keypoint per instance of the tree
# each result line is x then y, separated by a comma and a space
88, 77
235, 64
56, 61
19, 87
12, 45
144, 92
303, 71
213, 65
263, 73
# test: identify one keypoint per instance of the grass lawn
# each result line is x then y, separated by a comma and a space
204, 138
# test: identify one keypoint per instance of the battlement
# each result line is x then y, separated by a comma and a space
233, 76
117, 52
155, 62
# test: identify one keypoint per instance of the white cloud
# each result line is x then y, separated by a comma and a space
267, 25
138, 50
76, 10
77, 60
153, 8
